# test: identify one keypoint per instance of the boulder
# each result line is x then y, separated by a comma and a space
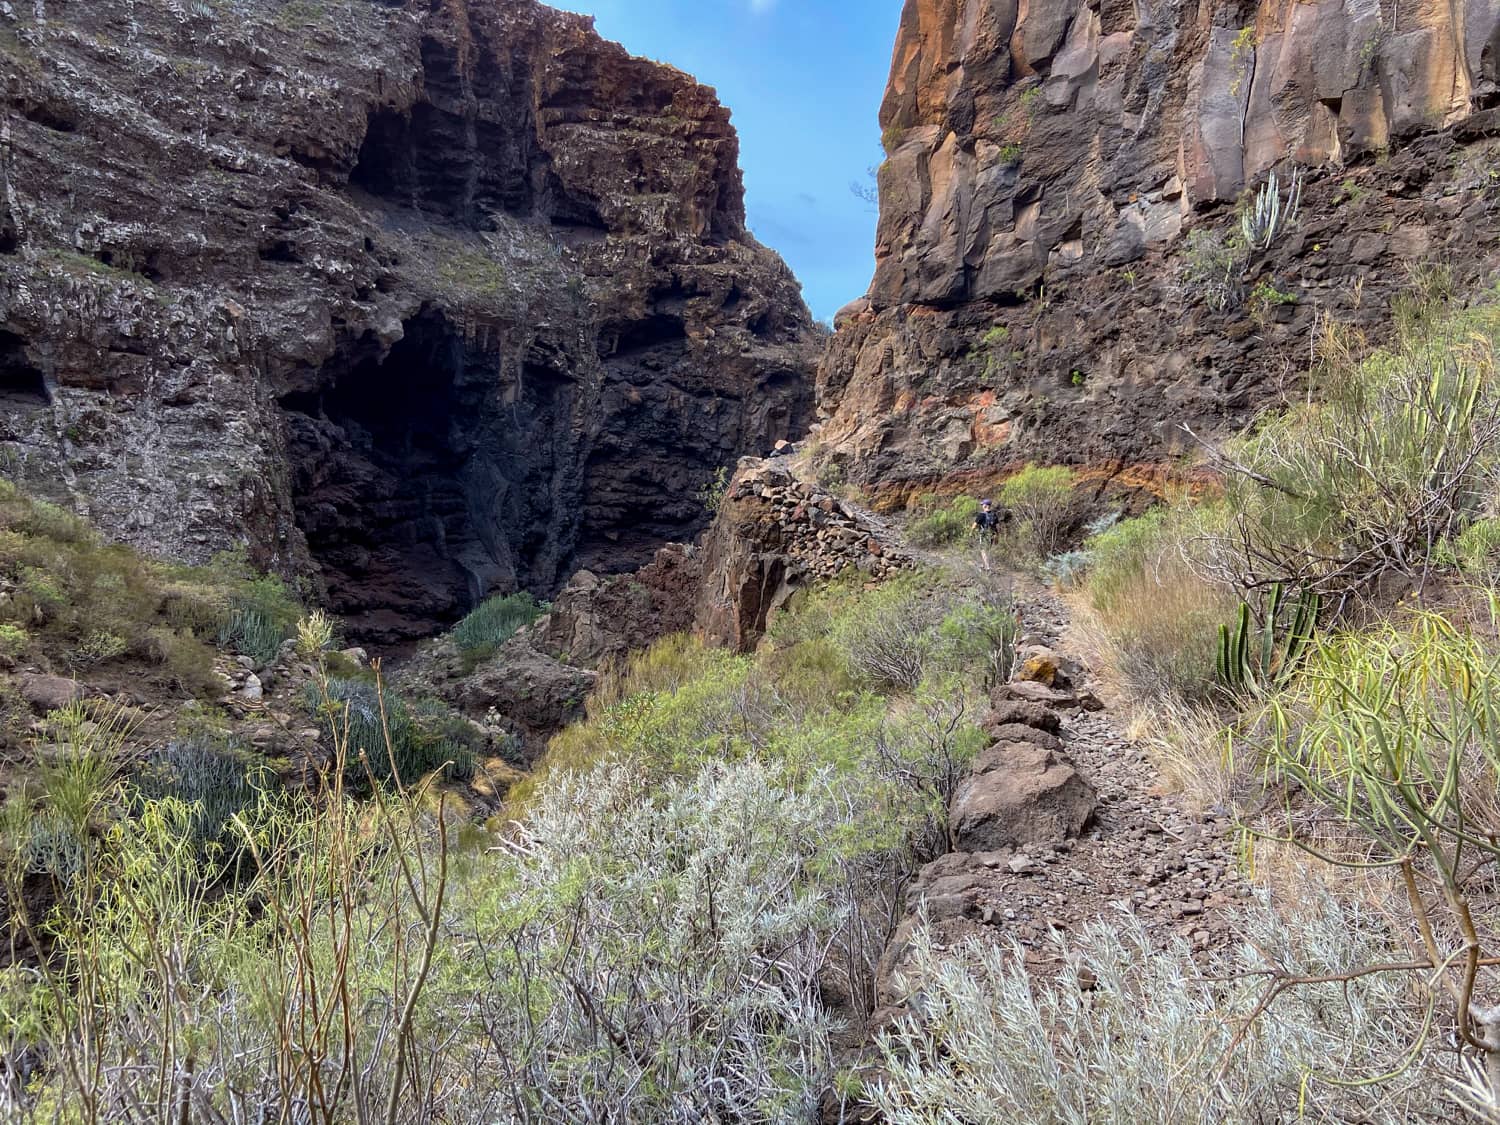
594, 621
773, 535
1039, 669
1032, 692
1020, 793
534, 692
1024, 713
49, 693
1019, 732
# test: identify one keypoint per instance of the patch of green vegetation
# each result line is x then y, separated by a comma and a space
217, 781
482, 633
76, 263
1241, 54
713, 493
1213, 265
13, 640
815, 697
299, 13
263, 616
933, 523
80, 602
390, 740
1266, 297
1010, 153
1045, 508
476, 272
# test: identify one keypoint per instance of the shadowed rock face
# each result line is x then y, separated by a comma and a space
1035, 295
424, 301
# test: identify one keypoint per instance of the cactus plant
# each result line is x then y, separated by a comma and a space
1262, 222
1255, 657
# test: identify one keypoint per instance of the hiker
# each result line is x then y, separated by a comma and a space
986, 527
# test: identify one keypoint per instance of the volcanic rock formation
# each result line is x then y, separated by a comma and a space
1062, 183
422, 300
776, 534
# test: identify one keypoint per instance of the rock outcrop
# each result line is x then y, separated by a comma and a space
776, 533
1063, 178
418, 300
597, 621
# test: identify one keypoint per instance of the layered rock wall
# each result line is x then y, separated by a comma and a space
1040, 291
421, 300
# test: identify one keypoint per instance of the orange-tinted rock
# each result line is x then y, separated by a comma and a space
1034, 297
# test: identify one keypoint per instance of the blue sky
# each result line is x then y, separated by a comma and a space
804, 79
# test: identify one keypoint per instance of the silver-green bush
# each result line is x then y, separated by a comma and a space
1133, 1030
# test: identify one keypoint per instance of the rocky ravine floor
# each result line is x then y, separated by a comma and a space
1141, 851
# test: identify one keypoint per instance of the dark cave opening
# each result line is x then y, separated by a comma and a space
389, 485
432, 476
23, 387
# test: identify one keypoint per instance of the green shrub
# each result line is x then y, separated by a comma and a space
102, 646
715, 490
1159, 614
1394, 456
262, 617
976, 635
937, 524
482, 633
1044, 508
1476, 551
1390, 733
84, 601
186, 661
888, 634
217, 781
1120, 556
389, 740
48, 521
1214, 266
13, 640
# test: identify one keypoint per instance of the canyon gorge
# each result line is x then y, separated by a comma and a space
436, 533
423, 302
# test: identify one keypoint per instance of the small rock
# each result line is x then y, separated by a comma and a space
1021, 864
253, 688
1039, 669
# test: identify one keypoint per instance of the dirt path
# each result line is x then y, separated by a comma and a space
1143, 851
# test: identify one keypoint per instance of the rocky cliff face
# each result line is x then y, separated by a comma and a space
1063, 189
422, 300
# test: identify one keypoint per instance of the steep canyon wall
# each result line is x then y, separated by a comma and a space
1040, 291
420, 299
